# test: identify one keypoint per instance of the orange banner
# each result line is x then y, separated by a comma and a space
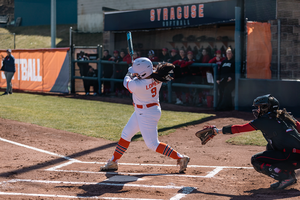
259, 50
39, 70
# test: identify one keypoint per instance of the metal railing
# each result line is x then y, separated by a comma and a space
170, 84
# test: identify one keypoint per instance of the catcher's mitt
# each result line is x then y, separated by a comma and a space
207, 133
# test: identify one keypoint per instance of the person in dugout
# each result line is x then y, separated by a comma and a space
281, 130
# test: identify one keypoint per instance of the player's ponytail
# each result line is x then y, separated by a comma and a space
162, 72
285, 116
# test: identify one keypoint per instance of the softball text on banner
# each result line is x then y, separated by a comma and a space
44, 70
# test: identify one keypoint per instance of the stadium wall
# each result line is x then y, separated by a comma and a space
284, 91
37, 12
90, 12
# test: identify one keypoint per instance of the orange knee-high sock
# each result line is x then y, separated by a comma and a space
120, 149
168, 151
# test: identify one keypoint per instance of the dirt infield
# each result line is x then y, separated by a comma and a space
44, 163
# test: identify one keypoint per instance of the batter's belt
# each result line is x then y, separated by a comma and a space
145, 106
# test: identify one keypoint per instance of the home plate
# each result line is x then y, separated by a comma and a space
119, 178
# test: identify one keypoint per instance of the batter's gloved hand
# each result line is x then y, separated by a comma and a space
207, 133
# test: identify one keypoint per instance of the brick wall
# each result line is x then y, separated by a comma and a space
7, 8
288, 13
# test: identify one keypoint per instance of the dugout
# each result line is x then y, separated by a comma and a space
212, 25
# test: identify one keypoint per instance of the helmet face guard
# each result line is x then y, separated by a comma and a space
263, 109
267, 103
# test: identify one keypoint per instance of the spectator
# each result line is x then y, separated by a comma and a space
135, 55
106, 55
117, 72
152, 57
179, 73
164, 55
192, 75
123, 54
182, 55
204, 58
174, 56
226, 82
127, 58
190, 60
83, 70
8, 66
107, 72
116, 57
93, 73
218, 59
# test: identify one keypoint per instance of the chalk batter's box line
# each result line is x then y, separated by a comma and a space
184, 190
72, 160
210, 174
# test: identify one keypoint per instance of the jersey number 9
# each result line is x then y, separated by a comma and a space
153, 91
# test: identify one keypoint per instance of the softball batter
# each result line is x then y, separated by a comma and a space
145, 88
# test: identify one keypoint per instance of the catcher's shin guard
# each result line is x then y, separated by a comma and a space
286, 182
270, 170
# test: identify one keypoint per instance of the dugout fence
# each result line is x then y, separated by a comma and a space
171, 85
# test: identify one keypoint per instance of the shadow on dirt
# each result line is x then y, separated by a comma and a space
113, 186
262, 193
11, 174
104, 187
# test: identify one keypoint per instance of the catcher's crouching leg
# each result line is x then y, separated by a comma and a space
285, 177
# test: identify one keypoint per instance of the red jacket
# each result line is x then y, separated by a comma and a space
182, 63
127, 59
154, 59
205, 59
214, 60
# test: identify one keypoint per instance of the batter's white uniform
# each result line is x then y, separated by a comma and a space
145, 95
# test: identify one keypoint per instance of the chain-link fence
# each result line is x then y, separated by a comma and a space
85, 39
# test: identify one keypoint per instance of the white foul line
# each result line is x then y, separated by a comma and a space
132, 164
40, 150
60, 166
67, 196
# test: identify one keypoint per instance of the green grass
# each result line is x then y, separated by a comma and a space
254, 138
35, 37
92, 118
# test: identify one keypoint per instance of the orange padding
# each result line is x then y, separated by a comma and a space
259, 50
36, 69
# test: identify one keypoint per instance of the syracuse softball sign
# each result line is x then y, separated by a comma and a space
44, 70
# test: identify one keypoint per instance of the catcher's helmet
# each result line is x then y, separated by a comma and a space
267, 103
142, 66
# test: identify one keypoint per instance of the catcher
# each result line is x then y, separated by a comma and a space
145, 88
280, 129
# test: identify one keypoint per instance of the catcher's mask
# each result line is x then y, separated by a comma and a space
267, 103
142, 66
